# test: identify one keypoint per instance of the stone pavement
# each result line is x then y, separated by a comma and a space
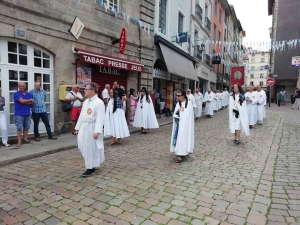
255, 183
64, 142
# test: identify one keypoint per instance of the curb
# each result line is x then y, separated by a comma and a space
56, 150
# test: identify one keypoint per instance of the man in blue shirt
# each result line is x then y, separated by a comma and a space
23, 102
283, 96
39, 111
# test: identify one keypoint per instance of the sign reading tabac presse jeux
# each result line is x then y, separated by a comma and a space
76, 28
122, 41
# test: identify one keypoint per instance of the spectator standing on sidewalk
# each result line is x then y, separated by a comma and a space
23, 101
76, 98
3, 121
282, 96
39, 111
297, 99
162, 101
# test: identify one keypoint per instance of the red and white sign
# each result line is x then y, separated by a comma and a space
237, 75
270, 81
109, 61
122, 41
295, 60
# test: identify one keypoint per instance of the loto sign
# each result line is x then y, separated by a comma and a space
122, 41
270, 81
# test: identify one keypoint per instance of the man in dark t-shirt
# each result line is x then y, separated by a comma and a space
120, 91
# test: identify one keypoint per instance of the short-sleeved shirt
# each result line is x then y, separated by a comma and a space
22, 109
298, 94
283, 93
39, 105
121, 92
76, 103
105, 94
162, 97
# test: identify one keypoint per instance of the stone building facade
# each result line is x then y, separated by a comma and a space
35, 45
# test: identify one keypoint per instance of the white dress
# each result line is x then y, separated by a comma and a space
184, 143
145, 115
91, 120
241, 123
115, 122
198, 99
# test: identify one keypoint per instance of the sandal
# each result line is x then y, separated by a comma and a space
27, 142
233, 140
19, 144
179, 160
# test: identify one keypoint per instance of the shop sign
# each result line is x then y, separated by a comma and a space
109, 70
161, 74
122, 41
76, 28
111, 62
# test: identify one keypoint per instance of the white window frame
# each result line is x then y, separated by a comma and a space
111, 2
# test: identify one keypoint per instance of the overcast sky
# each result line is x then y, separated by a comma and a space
254, 18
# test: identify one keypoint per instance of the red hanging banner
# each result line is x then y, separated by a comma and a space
237, 75
122, 41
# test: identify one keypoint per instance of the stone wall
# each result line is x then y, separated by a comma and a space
46, 25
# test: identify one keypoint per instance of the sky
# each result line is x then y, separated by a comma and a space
254, 18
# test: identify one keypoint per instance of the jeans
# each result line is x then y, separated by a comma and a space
22, 122
282, 100
36, 120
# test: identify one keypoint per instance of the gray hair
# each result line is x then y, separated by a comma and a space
22, 83
93, 86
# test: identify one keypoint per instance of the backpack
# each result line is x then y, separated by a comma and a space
67, 106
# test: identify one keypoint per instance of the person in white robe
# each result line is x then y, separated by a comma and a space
223, 99
216, 101
191, 98
226, 97
145, 115
251, 102
261, 96
209, 106
89, 128
238, 116
182, 138
115, 121
198, 99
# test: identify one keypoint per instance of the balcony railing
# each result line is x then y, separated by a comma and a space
199, 11
207, 23
197, 53
206, 59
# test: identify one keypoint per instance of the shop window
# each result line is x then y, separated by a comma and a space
17, 53
41, 59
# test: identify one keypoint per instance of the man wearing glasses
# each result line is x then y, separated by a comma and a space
76, 98
90, 129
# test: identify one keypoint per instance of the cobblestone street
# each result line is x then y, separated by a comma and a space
257, 182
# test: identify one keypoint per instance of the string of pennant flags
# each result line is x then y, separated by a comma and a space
228, 48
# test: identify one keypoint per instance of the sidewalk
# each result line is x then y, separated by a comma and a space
64, 142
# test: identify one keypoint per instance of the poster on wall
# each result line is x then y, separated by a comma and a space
84, 76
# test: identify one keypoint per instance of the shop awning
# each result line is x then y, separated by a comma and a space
178, 64
109, 61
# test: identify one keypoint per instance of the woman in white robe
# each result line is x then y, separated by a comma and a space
238, 116
145, 115
182, 139
90, 130
115, 121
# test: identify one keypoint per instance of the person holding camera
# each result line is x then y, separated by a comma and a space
238, 116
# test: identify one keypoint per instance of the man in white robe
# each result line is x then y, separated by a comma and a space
209, 106
182, 139
223, 99
90, 129
216, 101
198, 99
251, 102
191, 98
261, 96
226, 97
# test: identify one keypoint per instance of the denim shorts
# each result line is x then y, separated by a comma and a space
22, 122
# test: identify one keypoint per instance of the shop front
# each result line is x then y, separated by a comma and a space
173, 69
103, 69
21, 61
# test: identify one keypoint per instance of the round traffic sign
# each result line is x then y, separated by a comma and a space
270, 81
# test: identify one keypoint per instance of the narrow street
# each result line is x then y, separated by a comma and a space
256, 182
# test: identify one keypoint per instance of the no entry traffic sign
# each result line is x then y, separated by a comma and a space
270, 81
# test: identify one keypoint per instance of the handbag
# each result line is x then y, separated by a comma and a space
67, 106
